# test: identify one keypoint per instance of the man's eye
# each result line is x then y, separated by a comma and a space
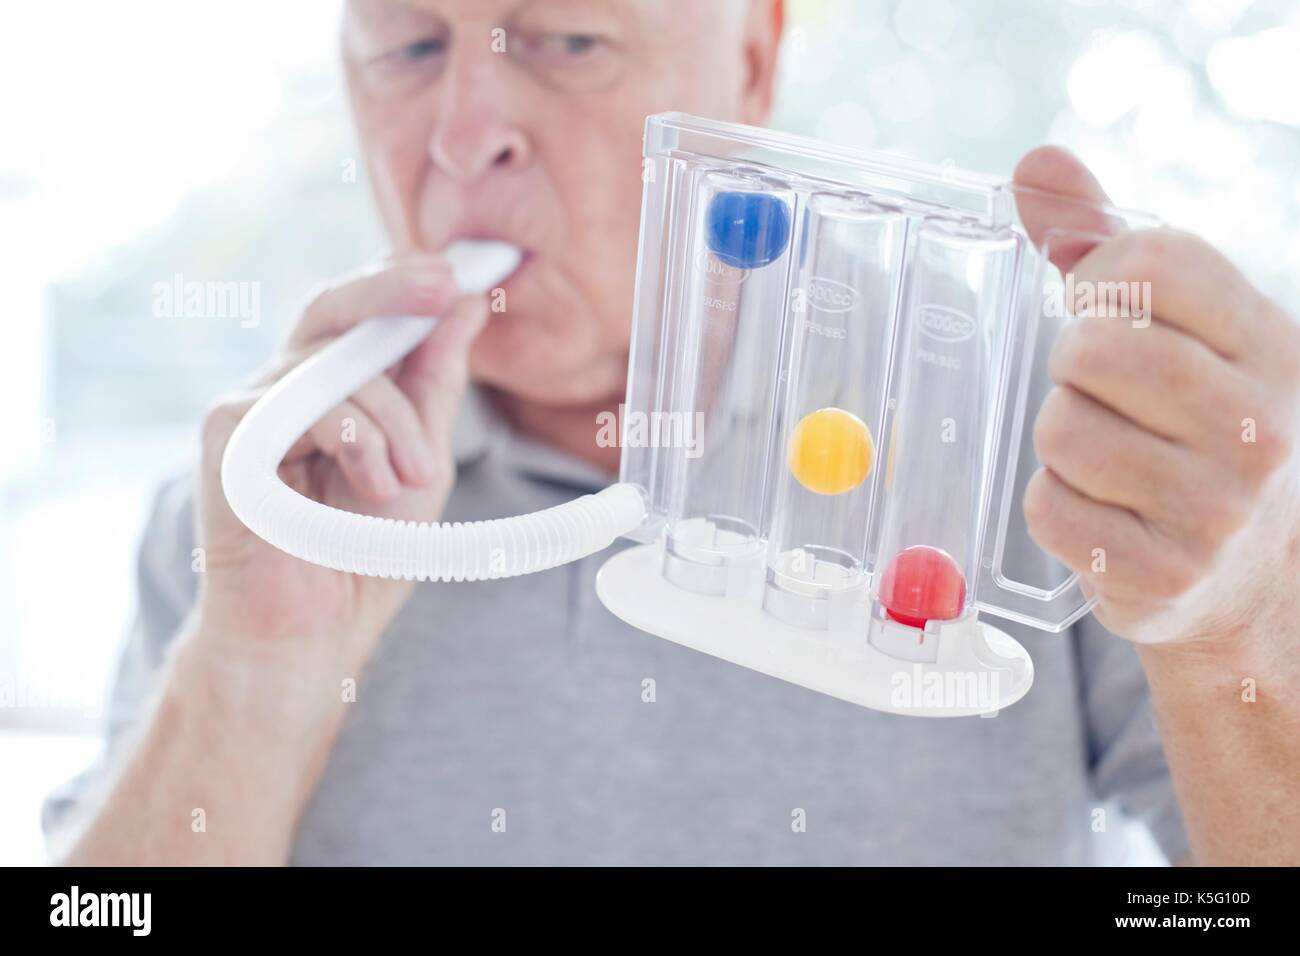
410, 54
571, 44
420, 50
407, 67
570, 61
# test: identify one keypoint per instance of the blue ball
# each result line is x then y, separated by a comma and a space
747, 230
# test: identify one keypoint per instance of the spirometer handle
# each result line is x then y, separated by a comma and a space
1049, 610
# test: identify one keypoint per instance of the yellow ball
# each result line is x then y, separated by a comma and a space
831, 451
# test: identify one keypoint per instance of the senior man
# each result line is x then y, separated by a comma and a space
272, 711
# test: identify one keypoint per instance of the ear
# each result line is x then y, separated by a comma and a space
764, 21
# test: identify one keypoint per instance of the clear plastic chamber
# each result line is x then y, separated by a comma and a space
835, 355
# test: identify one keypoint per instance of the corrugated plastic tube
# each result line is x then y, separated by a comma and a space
385, 547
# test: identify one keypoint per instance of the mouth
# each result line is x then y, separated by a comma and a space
526, 251
521, 272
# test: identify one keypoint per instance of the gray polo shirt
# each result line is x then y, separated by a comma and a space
520, 702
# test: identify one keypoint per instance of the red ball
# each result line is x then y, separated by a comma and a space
922, 584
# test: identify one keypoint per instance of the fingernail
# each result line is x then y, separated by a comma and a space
421, 461
432, 282
385, 483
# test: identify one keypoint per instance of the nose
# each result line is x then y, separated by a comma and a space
474, 132
468, 148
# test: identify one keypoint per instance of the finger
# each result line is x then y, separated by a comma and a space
350, 438
1058, 199
1192, 287
385, 404
1156, 376
1112, 461
409, 448
435, 374
219, 423
415, 284
1109, 546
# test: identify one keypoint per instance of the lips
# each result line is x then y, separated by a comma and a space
508, 207
520, 273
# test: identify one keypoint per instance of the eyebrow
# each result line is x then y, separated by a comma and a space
620, 7
371, 14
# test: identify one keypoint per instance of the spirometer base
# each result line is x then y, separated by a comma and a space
978, 669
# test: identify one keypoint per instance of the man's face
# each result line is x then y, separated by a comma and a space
522, 120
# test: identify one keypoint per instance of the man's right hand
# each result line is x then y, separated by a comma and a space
385, 450
256, 688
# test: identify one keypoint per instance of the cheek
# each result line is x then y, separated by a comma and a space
536, 355
561, 330
396, 168
601, 186
602, 259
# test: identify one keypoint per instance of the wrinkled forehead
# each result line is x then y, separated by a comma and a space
664, 15
501, 11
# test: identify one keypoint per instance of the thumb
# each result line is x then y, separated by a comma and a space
1058, 198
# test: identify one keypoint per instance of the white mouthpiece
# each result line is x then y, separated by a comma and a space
481, 264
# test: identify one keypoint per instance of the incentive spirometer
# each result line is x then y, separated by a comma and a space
827, 392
